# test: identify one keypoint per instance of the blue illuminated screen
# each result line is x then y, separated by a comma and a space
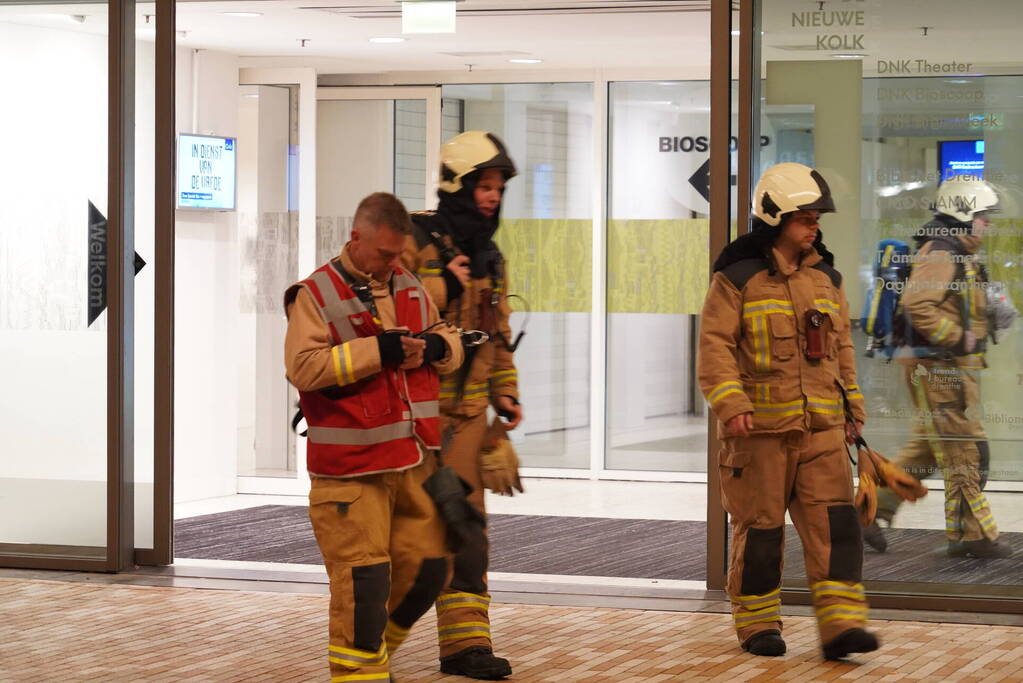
961, 157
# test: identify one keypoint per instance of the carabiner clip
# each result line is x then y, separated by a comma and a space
473, 337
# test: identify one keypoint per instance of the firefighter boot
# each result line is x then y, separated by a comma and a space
850, 641
985, 548
765, 644
476, 662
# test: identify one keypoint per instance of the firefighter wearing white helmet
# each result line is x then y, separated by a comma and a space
942, 352
777, 368
453, 251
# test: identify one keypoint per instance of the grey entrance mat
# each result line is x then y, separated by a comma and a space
587, 546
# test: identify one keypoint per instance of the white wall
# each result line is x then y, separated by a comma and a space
207, 293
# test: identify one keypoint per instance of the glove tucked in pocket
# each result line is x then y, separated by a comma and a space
464, 523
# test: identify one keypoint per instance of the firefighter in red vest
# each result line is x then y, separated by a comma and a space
364, 348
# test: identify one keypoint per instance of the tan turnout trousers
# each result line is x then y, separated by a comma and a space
463, 607
809, 474
384, 548
948, 436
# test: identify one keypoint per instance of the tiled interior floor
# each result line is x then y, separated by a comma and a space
81, 631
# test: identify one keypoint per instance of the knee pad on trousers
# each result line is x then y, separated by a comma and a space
427, 586
846, 557
370, 587
985, 462
471, 567
761, 561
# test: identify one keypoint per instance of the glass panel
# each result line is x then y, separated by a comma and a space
145, 279
546, 237
268, 243
890, 114
360, 152
657, 262
53, 418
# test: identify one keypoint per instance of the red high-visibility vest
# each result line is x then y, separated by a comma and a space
371, 425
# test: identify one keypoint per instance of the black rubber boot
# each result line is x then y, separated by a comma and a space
476, 662
765, 644
848, 642
874, 536
983, 549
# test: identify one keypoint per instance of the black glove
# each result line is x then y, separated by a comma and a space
464, 523
392, 353
454, 287
436, 348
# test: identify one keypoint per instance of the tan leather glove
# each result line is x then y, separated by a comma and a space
905, 485
499, 466
866, 494
866, 499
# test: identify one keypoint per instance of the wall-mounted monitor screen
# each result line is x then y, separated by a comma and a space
960, 157
207, 171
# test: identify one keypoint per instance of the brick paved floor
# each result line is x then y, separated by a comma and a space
73, 631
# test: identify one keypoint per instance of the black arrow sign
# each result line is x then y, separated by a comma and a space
701, 180
96, 273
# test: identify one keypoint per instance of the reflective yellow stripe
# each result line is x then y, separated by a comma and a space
503, 375
347, 367
924, 405
394, 636
942, 331
454, 597
764, 306
856, 588
458, 605
429, 271
357, 653
786, 409
875, 301
831, 609
776, 616
828, 306
748, 599
465, 636
825, 406
839, 593
761, 344
336, 357
462, 624
722, 390
842, 617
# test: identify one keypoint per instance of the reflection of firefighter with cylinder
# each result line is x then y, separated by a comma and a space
777, 368
941, 332
453, 251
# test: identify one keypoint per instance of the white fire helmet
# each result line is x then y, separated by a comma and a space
963, 196
473, 150
787, 188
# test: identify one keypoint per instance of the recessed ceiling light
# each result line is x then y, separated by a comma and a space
735, 31
526, 60
242, 14
848, 55
957, 81
387, 39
